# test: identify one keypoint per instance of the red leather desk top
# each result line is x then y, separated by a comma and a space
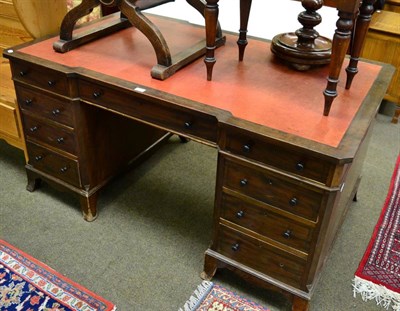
260, 89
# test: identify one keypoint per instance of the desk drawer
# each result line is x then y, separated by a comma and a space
55, 136
42, 77
273, 189
171, 117
50, 107
279, 157
265, 222
53, 164
260, 256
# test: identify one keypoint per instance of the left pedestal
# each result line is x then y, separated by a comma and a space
71, 145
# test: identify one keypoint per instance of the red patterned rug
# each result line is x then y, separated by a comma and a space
28, 284
212, 297
378, 275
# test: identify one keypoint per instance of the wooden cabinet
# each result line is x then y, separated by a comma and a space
392, 5
277, 209
383, 44
12, 32
60, 151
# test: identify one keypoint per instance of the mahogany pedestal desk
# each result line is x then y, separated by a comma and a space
285, 173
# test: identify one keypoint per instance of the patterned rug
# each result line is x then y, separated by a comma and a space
29, 285
378, 275
212, 297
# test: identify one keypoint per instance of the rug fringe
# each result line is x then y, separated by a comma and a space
193, 302
371, 291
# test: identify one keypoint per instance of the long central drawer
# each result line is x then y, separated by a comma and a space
171, 117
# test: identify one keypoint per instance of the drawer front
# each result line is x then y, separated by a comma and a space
273, 189
168, 116
42, 77
49, 134
279, 157
267, 223
260, 256
53, 164
49, 107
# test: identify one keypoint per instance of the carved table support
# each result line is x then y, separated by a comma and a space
68, 42
340, 45
304, 48
245, 6
360, 32
131, 15
211, 17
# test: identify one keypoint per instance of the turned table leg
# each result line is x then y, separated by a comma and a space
211, 20
89, 206
245, 6
340, 44
360, 32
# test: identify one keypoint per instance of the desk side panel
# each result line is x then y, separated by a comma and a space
336, 212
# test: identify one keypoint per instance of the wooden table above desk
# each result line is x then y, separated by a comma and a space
285, 172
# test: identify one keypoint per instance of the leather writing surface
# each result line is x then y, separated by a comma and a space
260, 89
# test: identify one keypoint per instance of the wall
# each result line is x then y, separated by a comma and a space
267, 18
